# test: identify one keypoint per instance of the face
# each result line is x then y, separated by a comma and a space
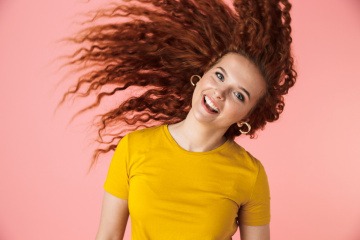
227, 92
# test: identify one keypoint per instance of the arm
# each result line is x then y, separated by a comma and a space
114, 217
254, 215
255, 232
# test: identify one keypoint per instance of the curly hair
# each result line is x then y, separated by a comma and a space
159, 44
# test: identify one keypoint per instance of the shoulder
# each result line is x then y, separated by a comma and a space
245, 158
145, 135
150, 131
140, 140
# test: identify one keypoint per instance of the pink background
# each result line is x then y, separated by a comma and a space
312, 154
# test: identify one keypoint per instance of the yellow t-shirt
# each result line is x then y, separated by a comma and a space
176, 194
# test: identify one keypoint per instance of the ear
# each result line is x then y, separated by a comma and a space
244, 120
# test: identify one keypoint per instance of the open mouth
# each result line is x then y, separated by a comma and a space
210, 105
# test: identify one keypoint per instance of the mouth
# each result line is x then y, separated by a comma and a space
210, 105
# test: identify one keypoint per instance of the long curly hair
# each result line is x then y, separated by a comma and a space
157, 45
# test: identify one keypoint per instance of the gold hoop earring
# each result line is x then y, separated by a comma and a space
191, 79
247, 125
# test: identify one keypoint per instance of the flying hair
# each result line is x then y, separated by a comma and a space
159, 44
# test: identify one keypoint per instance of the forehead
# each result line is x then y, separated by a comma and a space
235, 61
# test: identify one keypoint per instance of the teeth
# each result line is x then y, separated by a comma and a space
210, 104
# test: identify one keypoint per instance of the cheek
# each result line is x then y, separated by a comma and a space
238, 111
206, 81
238, 115
196, 96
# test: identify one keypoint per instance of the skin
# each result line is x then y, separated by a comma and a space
225, 84
114, 217
255, 232
228, 85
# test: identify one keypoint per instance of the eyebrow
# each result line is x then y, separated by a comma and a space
246, 92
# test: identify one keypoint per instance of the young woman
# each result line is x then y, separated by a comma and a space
204, 73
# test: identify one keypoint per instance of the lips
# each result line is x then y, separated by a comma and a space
209, 105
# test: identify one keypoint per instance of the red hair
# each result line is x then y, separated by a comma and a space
163, 43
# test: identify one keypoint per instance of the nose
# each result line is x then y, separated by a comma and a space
219, 93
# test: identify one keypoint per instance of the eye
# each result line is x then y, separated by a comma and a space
220, 76
240, 96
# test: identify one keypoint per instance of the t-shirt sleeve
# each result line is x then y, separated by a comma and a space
117, 180
256, 211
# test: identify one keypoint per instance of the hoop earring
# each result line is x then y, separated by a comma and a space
191, 79
247, 125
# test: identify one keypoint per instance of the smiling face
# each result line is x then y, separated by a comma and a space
227, 92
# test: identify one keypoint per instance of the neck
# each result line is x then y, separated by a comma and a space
196, 136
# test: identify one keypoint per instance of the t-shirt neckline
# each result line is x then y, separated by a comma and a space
174, 144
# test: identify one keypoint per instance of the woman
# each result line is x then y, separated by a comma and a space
204, 73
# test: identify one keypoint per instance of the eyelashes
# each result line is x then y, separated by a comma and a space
238, 95
220, 76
